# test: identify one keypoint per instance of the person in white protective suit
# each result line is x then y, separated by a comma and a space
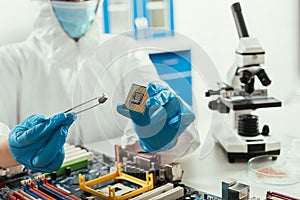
67, 60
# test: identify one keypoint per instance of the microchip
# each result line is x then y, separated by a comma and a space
136, 98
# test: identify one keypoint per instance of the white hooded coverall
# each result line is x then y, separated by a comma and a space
49, 72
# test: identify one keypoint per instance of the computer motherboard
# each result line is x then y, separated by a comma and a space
135, 176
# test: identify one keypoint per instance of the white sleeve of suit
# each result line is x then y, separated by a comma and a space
10, 80
4, 130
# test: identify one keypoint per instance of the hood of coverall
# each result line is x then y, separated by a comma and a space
49, 35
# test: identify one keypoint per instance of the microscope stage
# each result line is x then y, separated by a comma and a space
255, 103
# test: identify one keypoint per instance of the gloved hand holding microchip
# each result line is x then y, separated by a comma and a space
164, 119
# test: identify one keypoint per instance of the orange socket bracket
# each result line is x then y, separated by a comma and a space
111, 191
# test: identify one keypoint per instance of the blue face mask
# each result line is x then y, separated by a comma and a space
75, 17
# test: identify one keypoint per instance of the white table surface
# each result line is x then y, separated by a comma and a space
207, 174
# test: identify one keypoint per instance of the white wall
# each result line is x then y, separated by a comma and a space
15, 20
274, 22
210, 23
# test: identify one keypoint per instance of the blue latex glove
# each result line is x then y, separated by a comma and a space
165, 118
37, 142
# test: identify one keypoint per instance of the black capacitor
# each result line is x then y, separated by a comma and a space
53, 175
68, 171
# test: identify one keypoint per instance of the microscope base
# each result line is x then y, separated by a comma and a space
232, 157
244, 148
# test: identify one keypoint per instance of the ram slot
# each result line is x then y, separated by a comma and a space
172, 194
44, 185
154, 192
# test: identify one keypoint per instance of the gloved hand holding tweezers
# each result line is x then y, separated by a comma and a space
38, 141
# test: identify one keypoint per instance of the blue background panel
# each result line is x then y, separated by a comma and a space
175, 69
171, 62
183, 88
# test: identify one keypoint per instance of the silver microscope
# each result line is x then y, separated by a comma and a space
245, 140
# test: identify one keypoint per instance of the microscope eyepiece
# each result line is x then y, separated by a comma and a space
239, 20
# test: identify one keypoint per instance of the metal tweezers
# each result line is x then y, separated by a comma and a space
100, 100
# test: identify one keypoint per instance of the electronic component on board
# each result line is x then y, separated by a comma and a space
146, 178
175, 193
167, 191
49, 189
114, 190
277, 196
76, 158
154, 192
43, 191
20, 194
171, 173
74, 153
232, 190
33, 191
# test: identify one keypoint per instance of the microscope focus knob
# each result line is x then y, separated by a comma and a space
218, 105
265, 130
